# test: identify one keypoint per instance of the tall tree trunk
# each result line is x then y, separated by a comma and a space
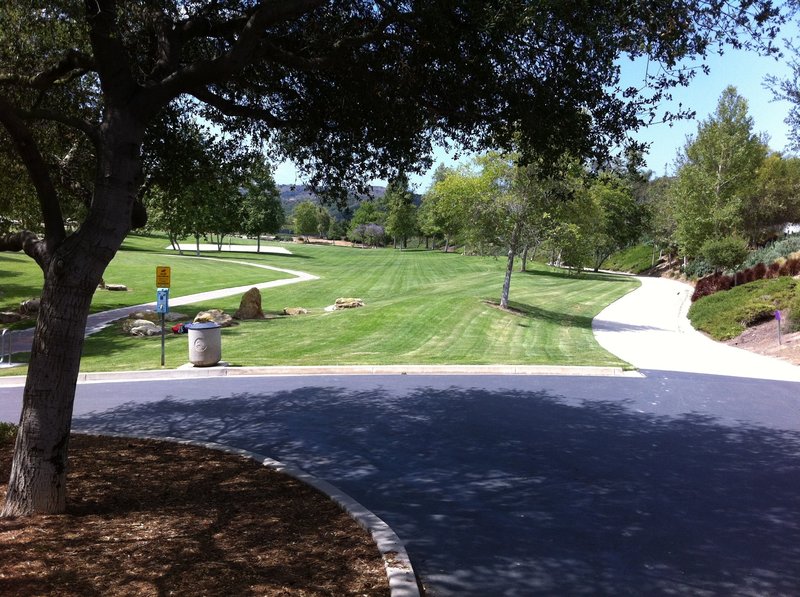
524, 266
512, 249
38, 474
507, 280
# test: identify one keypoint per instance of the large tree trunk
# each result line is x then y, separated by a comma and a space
38, 474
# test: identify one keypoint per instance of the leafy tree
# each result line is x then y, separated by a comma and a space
618, 221
305, 218
367, 213
717, 175
323, 221
776, 199
401, 220
308, 79
724, 253
263, 212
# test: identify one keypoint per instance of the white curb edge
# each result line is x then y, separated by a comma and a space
400, 574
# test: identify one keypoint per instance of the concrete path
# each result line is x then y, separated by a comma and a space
23, 339
649, 329
230, 248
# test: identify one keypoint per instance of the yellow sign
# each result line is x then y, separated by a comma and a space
162, 276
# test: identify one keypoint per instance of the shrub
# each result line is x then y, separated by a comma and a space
773, 270
8, 432
697, 268
759, 271
794, 312
724, 253
710, 285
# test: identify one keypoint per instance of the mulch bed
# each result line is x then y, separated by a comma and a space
156, 518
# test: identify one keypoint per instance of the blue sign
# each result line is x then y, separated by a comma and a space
162, 300
778, 315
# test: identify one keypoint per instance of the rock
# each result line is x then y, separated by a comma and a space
250, 306
294, 311
130, 324
30, 306
348, 303
116, 287
10, 317
216, 315
146, 330
156, 317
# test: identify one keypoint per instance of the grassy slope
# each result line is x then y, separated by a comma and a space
421, 307
725, 315
634, 260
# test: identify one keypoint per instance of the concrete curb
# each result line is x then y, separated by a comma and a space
399, 572
303, 371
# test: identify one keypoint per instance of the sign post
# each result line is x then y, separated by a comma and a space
162, 301
778, 318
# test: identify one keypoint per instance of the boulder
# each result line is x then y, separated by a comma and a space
30, 306
216, 315
250, 306
294, 311
130, 324
146, 330
10, 317
116, 287
348, 303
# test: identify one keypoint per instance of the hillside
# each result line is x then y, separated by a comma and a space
291, 195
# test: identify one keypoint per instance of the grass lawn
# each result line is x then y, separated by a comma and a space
135, 267
421, 308
725, 315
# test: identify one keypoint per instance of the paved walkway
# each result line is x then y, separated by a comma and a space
23, 339
649, 329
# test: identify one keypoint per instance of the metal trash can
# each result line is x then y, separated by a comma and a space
205, 343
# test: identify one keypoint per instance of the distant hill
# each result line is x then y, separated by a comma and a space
291, 195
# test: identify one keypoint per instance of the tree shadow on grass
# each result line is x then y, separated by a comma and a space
539, 314
515, 492
584, 275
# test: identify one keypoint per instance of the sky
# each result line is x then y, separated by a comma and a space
744, 70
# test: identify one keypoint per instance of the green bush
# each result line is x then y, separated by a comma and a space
773, 252
725, 315
724, 253
8, 431
793, 309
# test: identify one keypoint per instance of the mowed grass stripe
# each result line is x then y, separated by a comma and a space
422, 307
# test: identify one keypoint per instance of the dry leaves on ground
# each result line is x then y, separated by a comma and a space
156, 518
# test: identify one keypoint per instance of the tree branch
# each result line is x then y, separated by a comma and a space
229, 108
74, 62
29, 152
247, 45
76, 123
27, 242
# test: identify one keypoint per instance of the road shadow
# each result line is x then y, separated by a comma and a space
515, 492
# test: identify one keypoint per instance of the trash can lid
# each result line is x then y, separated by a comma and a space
202, 325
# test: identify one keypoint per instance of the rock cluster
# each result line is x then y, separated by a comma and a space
294, 311
348, 303
217, 316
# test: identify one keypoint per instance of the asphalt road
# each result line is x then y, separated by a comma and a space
672, 484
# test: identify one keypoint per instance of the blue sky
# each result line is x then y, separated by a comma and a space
744, 70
